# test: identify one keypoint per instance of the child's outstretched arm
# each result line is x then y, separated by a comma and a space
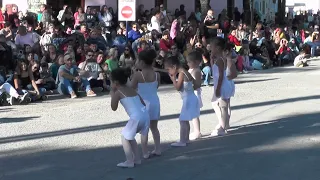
115, 98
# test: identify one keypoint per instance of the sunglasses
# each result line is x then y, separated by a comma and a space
127, 49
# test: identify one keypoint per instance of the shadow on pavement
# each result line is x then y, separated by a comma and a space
286, 149
254, 81
17, 119
4, 140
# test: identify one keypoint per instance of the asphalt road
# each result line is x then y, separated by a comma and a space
275, 135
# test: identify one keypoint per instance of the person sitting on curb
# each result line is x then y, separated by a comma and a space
70, 76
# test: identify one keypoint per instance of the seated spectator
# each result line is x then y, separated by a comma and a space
55, 66
15, 97
134, 33
188, 50
302, 59
23, 37
42, 76
142, 46
314, 44
175, 52
127, 59
96, 75
233, 39
24, 81
30, 58
96, 38
112, 61
7, 32
27, 50
51, 55
70, 77
47, 37
159, 67
80, 55
240, 33
166, 42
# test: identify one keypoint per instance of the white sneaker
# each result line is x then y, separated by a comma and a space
179, 144
194, 136
126, 164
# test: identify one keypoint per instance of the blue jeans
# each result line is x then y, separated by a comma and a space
313, 46
207, 73
66, 86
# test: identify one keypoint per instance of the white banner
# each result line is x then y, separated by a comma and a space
127, 10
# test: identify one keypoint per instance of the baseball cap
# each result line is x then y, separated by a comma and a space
67, 57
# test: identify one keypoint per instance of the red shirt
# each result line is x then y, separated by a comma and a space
234, 40
166, 45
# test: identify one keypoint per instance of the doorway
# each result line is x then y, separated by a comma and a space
58, 4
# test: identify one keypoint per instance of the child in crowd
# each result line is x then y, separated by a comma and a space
190, 107
50, 83
194, 59
139, 117
222, 86
147, 82
301, 59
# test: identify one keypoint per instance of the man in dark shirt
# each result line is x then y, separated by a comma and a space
211, 25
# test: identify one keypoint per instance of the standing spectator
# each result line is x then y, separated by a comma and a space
68, 18
7, 32
105, 17
182, 12
155, 22
44, 17
237, 16
211, 25
70, 77
79, 17
61, 12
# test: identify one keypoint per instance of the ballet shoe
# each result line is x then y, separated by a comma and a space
179, 144
219, 132
146, 156
194, 136
126, 164
154, 153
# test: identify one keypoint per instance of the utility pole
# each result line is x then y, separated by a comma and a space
252, 17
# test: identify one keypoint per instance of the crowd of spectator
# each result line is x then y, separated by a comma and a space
69, 52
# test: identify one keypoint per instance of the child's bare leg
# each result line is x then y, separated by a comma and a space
156, 137
144, 146
217, 111
229, 115
128, 151
196, 129
223, 103
135, 151
183, 134
188, 132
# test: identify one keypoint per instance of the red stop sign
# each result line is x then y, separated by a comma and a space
126, 11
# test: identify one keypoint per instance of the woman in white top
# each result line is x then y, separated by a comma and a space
105, 17
155, 22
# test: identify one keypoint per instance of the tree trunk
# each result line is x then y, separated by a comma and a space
246, 11
204, 4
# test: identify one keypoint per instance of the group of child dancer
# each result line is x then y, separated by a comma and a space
141, 102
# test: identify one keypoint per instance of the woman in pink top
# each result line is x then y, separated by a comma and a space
79, 17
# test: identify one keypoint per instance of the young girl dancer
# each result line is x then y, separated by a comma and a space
139, 117
231, 71
222, 86
194, 59
190, 107
147, 82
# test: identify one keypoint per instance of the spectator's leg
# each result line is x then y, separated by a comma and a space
207, 73
65, 87
86, 84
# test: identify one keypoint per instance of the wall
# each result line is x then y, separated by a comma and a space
174, 4
22, 5
218, 6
